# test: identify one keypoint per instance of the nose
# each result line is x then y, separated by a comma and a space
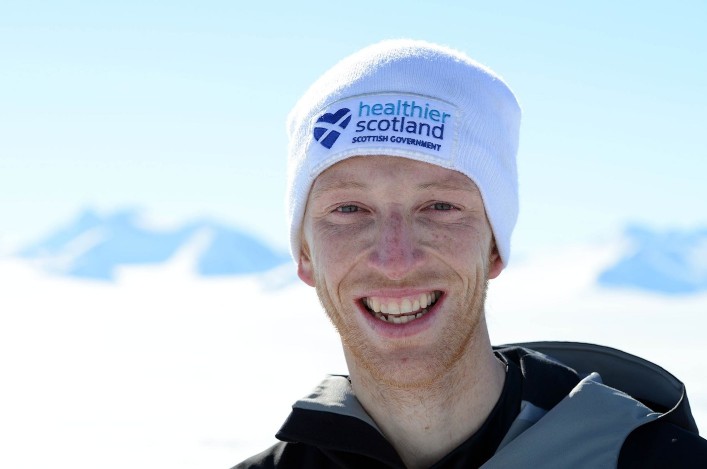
396, 252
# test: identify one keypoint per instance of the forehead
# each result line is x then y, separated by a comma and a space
363, 171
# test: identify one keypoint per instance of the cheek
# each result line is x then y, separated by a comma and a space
461, 246
338, 244
451, 240
330, 260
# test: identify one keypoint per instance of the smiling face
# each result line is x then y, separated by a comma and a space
400, 252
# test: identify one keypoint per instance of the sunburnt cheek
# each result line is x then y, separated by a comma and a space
337, 234
448, 242
454, 236
331, 229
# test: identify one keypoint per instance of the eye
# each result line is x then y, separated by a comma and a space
441, 206
348, 208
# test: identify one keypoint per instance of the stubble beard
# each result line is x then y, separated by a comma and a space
426, 371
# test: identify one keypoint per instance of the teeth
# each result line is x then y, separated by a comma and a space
403, 319
399, 311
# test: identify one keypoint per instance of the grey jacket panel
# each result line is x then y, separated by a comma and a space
641, 379
589, 426
585, 430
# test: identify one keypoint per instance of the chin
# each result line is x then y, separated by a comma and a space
410, 366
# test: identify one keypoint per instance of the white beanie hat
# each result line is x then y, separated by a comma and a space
415, 100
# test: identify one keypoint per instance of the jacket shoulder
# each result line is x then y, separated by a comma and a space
658, 430
646, 382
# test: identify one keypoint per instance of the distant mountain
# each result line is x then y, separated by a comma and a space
94, 245
670, 262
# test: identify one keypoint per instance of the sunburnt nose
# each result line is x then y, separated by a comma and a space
396, 252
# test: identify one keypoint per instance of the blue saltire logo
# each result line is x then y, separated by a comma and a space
325, 132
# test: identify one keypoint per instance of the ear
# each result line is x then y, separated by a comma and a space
304, 266
495, 263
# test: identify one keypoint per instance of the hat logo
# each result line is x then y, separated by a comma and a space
326, 131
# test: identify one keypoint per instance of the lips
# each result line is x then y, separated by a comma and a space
401, 310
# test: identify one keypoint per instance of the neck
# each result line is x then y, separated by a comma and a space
425, 423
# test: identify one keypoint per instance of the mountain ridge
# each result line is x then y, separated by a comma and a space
94, 245
671, 262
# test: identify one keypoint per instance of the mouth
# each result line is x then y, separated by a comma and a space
401, 310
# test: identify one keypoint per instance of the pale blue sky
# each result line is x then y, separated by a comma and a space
179, 107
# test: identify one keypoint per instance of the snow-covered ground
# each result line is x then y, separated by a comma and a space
166, 369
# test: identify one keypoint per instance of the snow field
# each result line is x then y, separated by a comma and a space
166, 369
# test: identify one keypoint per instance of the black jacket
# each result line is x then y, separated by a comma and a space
552, 413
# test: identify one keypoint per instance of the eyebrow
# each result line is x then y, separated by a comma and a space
337, 184
448, 185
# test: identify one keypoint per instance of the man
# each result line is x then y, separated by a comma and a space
402, 200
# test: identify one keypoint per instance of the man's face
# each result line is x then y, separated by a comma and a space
400, 252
